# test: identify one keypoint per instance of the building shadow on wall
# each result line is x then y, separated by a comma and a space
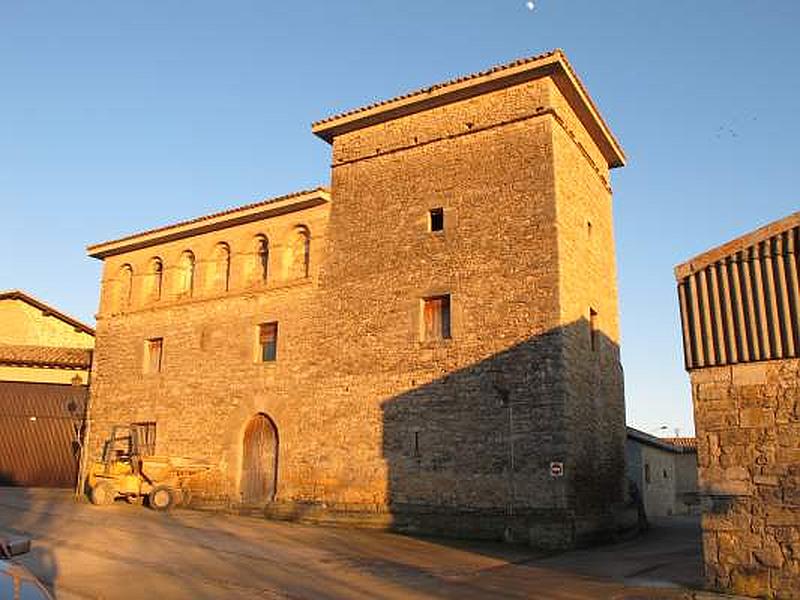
525, 445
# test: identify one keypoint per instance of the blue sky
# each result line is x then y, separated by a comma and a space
120, 116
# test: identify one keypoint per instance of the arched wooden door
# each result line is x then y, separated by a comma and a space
259, 460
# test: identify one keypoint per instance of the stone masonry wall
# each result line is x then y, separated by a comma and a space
748, 429
210, 384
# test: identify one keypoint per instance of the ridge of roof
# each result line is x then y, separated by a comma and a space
46, 308
436, 86
93, 248
742, 242
661, 443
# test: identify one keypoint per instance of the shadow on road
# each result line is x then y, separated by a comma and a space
133, 552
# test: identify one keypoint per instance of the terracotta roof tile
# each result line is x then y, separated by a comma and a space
45, 356
682, 442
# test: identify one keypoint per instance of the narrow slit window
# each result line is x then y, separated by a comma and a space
436, 219
154, 349
436, 318
158, 278
263, 259
268, 341
593, 329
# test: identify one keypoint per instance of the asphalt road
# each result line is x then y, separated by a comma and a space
122, 551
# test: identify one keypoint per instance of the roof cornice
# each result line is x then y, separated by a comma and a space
221, 220
551, 64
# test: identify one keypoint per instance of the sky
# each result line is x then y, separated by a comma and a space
121, 116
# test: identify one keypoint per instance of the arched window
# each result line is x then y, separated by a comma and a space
155, 279
186, 274
123, 288
298, 254
221, 268
260, 267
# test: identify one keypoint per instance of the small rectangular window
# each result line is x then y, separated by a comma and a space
268, 341
153, 351
436, 219
436, 318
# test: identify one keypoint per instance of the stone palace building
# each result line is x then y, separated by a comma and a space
432, 344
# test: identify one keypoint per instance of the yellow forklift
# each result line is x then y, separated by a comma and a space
129, 469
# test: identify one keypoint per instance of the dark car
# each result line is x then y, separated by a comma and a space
16, 582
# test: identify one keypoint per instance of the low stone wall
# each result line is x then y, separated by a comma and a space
748, 427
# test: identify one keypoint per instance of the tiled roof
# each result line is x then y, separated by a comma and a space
208, 217
553, 63
46, 308
45, 356
661, 443
682, 442
431, 88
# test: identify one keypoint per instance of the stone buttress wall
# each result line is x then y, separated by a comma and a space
469, 424
748, 431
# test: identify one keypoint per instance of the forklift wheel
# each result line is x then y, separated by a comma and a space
102, 494
161, 497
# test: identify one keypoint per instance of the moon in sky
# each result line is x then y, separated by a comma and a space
530, 5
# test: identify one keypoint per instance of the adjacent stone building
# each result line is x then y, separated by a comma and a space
740, 310
430, 345
45, 359
665, 473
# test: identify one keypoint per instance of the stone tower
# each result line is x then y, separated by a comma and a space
492, 193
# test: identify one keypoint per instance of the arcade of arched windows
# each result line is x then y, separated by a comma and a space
257, 263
